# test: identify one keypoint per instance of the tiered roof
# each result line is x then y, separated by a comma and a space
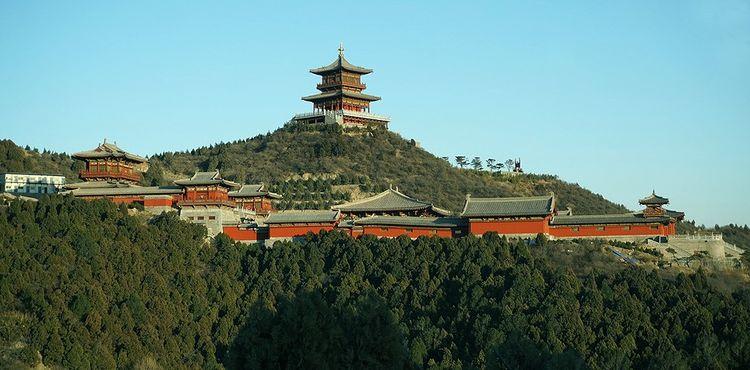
108, 150
340, 63
509, 207
303, 217
253, 190
653, 199
207, 178
339, 93
389, 200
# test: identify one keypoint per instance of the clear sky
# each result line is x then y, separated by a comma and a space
621, 97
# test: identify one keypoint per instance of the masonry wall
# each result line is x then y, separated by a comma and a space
603, 231
412, 232
291, 231
241, 233
530, 226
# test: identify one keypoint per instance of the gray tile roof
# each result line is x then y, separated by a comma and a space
207, 178
435, 222
337, 93
302, 217
127, 190
508, 207
108, 150
389, 200
253, 190
653, 199
340, 63
624, 218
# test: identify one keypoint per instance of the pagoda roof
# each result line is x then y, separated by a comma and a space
623, 218
653, 199
303, 217
435, 222
253, 190
338, 93
340, 63
207, 178
389, 200
108, 150
509, 206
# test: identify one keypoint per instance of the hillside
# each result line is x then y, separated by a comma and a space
16, 159
370, 161
86, 285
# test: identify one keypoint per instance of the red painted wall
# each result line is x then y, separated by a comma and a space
412, 232
610, 230
237, 233
510, 226
290, 231
167, 202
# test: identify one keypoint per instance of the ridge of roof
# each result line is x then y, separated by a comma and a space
340, 63
417, 204
105, 150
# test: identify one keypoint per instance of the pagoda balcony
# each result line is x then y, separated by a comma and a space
341, 113
88, 175
326, 85
206, 203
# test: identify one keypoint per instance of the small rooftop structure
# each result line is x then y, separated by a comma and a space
253, 190
509, 207
207, 178
390, 202
653, 199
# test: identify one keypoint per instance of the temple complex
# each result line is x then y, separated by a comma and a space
341, 99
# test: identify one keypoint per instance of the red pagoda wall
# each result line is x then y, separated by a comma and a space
510, 226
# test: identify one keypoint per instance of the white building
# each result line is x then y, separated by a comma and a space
30, 183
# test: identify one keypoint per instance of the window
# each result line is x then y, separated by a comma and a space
408, 230
574, 228
384, 228
200, 218
191, 218
211, 217
626, 227
434, 232
654, 227
600, 228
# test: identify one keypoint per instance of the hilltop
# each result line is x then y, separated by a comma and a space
308, 163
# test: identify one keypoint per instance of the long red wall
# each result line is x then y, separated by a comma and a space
237, 233
611, 230
510, 226
283, 231
412, 232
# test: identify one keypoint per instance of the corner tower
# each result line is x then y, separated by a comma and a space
341, 99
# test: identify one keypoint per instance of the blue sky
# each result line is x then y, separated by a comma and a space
621, 97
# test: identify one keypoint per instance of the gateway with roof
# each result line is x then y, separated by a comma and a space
392, 203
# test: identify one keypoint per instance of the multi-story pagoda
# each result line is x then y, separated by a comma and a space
108, 162
341, 99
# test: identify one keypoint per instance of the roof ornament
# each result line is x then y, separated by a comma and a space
341, 49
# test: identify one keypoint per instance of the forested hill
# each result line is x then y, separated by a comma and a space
85, 285
27, 160
371, 160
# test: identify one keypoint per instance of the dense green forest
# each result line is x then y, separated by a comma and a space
86, 285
